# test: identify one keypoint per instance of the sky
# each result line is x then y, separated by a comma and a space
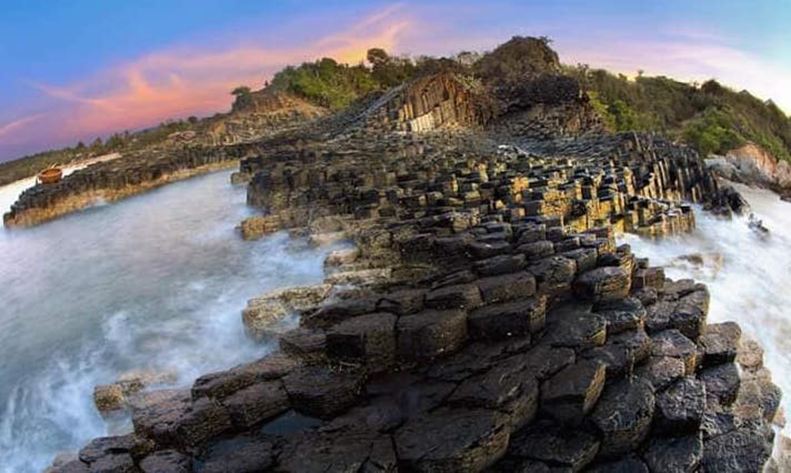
72, 71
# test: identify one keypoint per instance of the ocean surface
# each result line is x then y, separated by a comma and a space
748, 275
154, 282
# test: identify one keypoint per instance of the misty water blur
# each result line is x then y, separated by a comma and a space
157, 281
751, 286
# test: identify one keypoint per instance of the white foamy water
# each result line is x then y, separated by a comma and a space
157, 281
753, 286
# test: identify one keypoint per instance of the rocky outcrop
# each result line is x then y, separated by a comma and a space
455, 373
752, 165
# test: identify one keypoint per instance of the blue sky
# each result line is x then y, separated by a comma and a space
76, 70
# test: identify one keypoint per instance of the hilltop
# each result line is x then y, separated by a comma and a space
710, 117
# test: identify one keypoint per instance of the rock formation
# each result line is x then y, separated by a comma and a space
486, 320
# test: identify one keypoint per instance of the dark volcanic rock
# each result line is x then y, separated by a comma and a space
571, 393
743, 451
720, 343
680, 407
166, 461
497, 321
603, 284
242, 455
254, 404
508, 287
431, 333
321, 392
675, 454
548, 442
456, 440
573, 325
461, 296
722, 383
350, 452
675, 345
623, 415
627, 465
662, 371
368, 339
623, 314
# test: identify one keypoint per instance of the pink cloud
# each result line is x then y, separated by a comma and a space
178, 82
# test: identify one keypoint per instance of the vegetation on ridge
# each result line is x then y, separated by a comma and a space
709, 117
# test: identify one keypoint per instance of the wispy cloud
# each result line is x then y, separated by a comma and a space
8, 129
179, 82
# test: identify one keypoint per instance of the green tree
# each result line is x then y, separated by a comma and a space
243, 98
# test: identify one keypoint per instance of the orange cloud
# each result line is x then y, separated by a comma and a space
177, 83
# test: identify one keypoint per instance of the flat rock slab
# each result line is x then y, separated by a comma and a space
623, 415
661, 371
722, 383
507, 387
402, 302
553, 274
254, 404
674, 344
431, 333
603, 284
351, 452
675, 454
457, 440
743, 451
571, 393
166, 461
321, 392
507, 287
224, 383
367, 339
622, 315
459, 296
680, 407
551, 443
621, 352
627, 465
243, 455
508, 319
720, 343
573, 325
173, 419
500, 265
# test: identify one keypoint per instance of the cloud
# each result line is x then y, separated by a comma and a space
178, 82
9, 128
690, 56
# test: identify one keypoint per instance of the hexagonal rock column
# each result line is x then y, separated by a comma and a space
254, 404
431, 333
368, 339
675, 454
321, 392
506, 387
603, 284
452, 440
679, 408
498, 321
572, 392
544, 441
623, 415
352, 451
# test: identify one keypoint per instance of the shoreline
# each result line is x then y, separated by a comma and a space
74, 203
